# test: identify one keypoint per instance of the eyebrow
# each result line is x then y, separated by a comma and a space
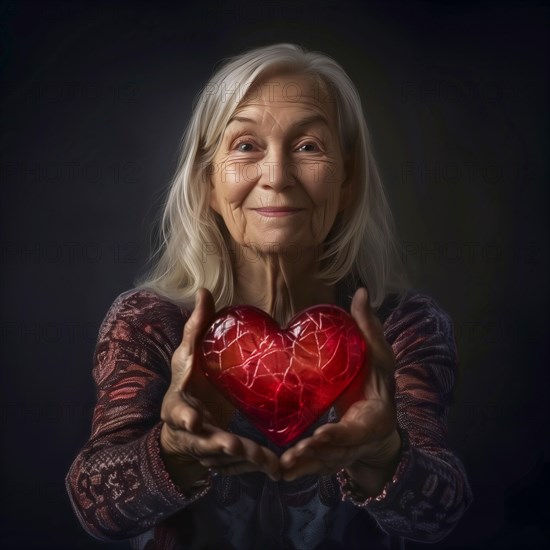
307, 121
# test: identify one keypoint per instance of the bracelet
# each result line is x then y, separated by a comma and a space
200, 483
352, 492
201, 487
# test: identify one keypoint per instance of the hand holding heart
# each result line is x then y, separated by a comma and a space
283, 379
192, 437
365, 441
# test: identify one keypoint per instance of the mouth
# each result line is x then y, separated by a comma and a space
277, 211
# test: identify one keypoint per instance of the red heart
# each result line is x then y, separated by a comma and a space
283, 379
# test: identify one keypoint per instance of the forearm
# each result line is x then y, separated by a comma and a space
118, 484
423, 500
122, 490
429, 491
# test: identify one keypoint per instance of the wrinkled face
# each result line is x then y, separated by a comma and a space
278, 177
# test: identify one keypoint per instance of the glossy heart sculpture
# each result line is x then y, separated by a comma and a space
283, 379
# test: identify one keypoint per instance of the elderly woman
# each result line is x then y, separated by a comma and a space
276, 203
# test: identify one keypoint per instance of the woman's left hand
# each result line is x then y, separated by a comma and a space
365, 441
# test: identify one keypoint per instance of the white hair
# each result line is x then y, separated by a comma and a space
193, 251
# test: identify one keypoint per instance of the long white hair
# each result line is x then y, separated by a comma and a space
193, 249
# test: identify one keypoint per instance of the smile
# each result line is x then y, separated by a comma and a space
277, 211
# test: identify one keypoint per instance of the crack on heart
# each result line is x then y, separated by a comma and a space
283, 380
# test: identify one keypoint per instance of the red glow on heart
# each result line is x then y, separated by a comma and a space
283, 379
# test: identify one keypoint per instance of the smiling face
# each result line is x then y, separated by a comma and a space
278, 177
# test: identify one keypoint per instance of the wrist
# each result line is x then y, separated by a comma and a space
185, 471
370, 474
385, 455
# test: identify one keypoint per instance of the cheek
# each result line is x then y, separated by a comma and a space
232, 185
326, 211
325, 194
325, 188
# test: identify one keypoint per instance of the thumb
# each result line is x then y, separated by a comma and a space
359, 309
366, 319
184, 356
197, 323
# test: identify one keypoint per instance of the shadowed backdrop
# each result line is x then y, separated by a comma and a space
95, 97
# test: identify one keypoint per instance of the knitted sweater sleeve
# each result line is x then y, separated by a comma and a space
429, 491
118, 484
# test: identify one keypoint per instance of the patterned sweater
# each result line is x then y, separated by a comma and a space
120, 489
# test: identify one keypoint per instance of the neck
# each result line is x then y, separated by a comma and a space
279, 284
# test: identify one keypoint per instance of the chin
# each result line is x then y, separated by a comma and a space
288, 246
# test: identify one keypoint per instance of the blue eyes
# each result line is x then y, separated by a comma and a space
244, 147
248, 147
311, 147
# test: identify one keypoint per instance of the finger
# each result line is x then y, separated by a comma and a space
365, 318
194, 328
290, 456
220, 461
372, 329
342, 434
327, 453
181, 415
198, 322
311, 447
259, 455
308, 466
214, 441
237, 469
363, 423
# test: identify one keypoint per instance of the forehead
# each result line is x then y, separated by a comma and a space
289, 91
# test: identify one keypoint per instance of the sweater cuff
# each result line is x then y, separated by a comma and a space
351, 492
160, 481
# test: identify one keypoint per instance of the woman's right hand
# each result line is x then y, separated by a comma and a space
193, 438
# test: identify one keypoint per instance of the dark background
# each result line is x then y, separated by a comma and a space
95, 97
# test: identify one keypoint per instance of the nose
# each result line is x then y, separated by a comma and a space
278, 172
